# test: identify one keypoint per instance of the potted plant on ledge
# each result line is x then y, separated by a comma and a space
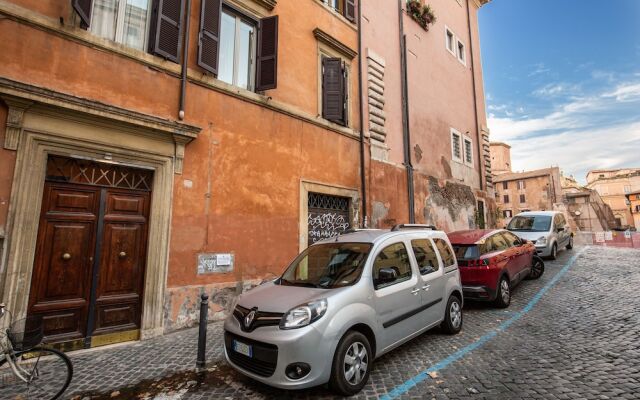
421, 13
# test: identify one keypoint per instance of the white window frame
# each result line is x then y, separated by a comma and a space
240, 17
465, 155
120, 15
462, 59
521, 185
460, 146
448, 31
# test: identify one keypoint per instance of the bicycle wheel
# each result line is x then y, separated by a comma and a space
48, 373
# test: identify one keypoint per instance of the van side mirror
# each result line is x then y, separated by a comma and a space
560, 229
386, 275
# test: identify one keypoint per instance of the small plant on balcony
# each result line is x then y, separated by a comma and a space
421, 13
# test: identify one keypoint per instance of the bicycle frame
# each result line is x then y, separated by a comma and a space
9, 353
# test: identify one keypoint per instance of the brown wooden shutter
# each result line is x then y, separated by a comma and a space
333, 90
209, 36
83, 8
267, 60
350, 10
168, 31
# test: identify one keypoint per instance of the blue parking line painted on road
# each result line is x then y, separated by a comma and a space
410, 383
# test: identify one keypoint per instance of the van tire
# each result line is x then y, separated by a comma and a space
570, 244
452, 323
338, 381
554, 251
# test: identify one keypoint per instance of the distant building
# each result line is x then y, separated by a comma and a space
614, 185
536, 190
634, 207
585, 206
500, 158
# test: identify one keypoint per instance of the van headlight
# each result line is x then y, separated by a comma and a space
542, 240
304, 314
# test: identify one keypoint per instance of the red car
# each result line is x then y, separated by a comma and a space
492, 262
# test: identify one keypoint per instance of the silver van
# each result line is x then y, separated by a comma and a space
342, 303
548, 230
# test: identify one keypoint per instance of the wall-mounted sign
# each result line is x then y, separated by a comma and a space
211, 263
608, 235
627, 234
600, 237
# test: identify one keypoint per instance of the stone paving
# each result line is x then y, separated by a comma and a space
581, 340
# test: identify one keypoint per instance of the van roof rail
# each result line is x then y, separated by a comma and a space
412, 226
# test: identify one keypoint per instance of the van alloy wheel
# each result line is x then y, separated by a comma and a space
455, 313
356, 362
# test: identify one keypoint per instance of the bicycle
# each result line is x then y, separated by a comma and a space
29, 370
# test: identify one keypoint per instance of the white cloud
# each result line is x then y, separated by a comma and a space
626, 92
539, 68
555, 89
575, 135
578, 151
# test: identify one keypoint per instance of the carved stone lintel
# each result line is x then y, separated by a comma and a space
15, 116
268, 4
334, 43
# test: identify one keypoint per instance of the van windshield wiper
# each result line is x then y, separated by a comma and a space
302, 284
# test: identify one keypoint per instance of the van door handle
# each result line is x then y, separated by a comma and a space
426, 287
415, 291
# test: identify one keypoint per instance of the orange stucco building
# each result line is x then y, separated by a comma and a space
141, 166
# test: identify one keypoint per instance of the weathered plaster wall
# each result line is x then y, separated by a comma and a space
240, 187
7, 164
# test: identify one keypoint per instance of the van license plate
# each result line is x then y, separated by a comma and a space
242, 348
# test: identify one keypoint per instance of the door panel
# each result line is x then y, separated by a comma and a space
122, 262
397, 303
430, 281
62, 269
90, 260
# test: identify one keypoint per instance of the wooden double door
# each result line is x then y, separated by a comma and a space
89, 267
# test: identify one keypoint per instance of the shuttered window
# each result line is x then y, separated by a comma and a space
267, 73
123, 21
83, 8
345, 7
456, 146
209, 36
334, 90
167, 29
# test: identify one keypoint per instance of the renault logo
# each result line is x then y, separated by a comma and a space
248, 320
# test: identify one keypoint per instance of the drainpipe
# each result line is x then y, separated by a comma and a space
406, 131
363, 182
475, 97
185, 58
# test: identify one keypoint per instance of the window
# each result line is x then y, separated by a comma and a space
511, 239
123, 21
448, 259
638, 197
450, 40
638, 208
236, 64
507, 214
506, 198
392, 257
496, 242
521, 185
461, 53
468, 151
627, 189
346, 8
456, 147
425, 256
505, 185
522, 199
560, 221
335, 89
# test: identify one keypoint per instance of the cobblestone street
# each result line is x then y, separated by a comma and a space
579, 339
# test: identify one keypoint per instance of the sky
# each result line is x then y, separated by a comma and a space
562, 82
